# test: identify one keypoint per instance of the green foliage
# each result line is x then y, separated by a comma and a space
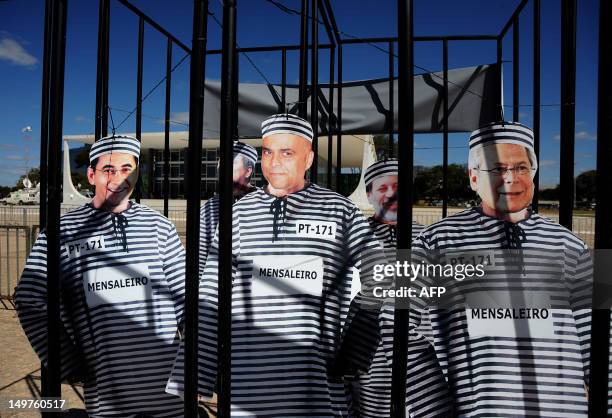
586, 186
428, 184
33, 175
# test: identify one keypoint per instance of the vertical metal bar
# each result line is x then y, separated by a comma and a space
227, 126
515, 69
536, 97
445, 131
138, 191
339, 123
330, 114
391, 117
283, 80
18, 254
600, 329
568, 108
54, 193
404, 222
303, 60
194, 180
314, 91
500, 65
8, 260
101, 125
44, 117
166, 187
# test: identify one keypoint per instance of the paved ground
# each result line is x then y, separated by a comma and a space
20, 368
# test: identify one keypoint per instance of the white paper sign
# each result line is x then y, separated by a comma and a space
509, 314
82, 247
274, 275
117, 284
315, 229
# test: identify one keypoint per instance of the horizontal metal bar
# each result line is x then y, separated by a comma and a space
422, 39
267, 49
156, 25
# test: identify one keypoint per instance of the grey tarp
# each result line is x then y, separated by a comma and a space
474, 99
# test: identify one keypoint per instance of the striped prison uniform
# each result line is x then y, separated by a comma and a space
209, 218
290, 259
513, 367
427, 394
122, 301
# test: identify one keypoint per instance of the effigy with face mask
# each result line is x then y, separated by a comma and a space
245, 159
514, 341
122, 292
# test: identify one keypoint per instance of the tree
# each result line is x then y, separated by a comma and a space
586, 186
33, 175
428, 183
550, 194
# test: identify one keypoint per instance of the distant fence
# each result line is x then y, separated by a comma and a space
19, 229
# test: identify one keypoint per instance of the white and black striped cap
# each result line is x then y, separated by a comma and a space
286, 123
115, 144
380, 168
247, 151
505, 133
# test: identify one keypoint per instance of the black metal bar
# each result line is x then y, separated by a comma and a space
445, 131
227, 127
156, 25
166, 187
500, 65
516, 12
536, 97
283, 80
101, 125
330, 117
387, 39
44, 116
54, 192
314, 91
332, 21
600, 327
139, 69
515, 70
267, 49
391, 114
303, 60
44, 141
568, 108
339, 123
326, 23
194, 180
404, 194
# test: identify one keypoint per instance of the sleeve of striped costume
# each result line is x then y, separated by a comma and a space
31, 305
361, 333
208, 225
173, 261
581, 288
207, 327
427, 392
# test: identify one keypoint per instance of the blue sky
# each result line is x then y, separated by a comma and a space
260, 23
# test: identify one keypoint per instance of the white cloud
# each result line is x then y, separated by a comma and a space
548, 163
585, 135
81, 119
12, 51
181, 117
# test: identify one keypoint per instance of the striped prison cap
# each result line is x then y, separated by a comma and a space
247, 151
387, 167
115, 144
504, 133
286, 123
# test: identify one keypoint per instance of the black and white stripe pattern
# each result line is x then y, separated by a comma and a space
427, 394
247, 151
491, 373
380, 168
283, 343
123, 350
286, 123
115, 144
